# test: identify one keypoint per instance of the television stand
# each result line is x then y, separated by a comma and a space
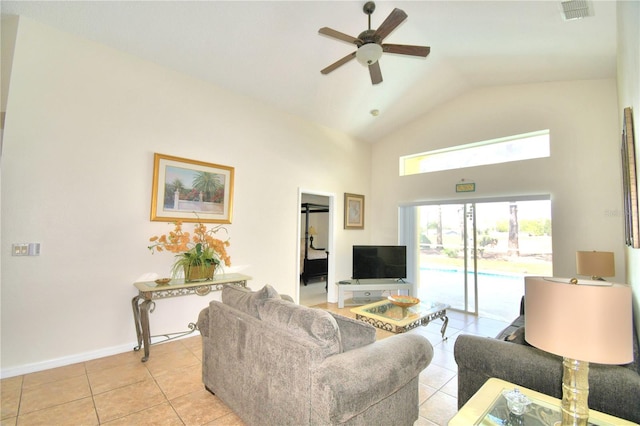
374, 287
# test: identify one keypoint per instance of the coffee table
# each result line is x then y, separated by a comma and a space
387, 316
488, 408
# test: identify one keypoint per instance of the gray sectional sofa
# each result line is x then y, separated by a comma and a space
613, 389
274, 362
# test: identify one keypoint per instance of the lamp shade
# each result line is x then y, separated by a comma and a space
369, 53
589, 321
312, 231
595, 263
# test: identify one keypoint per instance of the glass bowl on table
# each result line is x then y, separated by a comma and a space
404, 302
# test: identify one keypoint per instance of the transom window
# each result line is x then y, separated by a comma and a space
503, 150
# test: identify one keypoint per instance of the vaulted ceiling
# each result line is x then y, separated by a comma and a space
271, 50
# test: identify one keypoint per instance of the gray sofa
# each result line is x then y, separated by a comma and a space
613, 389
277, 363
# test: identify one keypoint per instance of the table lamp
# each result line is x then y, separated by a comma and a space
582, 321
596, 264
312, 232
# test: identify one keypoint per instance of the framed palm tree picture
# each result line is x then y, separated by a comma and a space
191, 190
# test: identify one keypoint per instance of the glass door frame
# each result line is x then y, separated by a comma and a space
408, 226
472, 252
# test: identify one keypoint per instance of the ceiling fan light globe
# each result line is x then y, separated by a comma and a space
369, 53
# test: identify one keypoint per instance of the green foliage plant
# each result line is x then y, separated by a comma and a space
199, 250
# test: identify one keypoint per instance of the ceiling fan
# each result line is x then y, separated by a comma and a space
369, 43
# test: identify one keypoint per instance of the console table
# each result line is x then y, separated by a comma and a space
143, 304
373, 285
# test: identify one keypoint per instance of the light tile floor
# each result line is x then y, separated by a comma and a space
168, 390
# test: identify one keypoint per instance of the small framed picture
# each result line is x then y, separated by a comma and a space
353, 211
191, 190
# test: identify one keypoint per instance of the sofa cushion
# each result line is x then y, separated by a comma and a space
517, 337
354, 333
245, 300
304, 322
512, 328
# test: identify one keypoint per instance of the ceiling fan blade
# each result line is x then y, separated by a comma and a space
394, 19
338, 63
340, 36
405, 49
376, 74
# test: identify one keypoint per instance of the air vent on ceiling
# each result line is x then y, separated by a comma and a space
576, 9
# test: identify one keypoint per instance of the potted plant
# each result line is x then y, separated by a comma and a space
199, 254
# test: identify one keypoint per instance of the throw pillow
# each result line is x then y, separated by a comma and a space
305, 322
517, 337
245, 300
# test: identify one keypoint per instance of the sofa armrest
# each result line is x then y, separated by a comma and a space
480, 358
354, 333
203, 322
346, 384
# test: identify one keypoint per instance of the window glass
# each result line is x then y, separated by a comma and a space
503, 150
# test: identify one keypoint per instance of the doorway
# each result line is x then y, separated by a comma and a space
474, 255
315, 241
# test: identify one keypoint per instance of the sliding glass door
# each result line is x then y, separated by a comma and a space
474, 256
447, 267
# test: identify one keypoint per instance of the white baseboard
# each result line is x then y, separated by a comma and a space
64, 361
74, 359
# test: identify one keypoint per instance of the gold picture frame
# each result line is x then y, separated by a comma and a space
353, 211
629, 181
191, 190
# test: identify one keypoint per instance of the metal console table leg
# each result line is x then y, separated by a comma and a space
445, 322
143, 304
136, 321
141, 310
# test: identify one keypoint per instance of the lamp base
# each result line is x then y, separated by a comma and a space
575, 392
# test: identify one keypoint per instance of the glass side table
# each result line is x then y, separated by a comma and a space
488, 407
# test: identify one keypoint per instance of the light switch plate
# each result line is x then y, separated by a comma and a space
25, 249
20, 249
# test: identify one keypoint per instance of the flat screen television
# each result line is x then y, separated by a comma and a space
382, 262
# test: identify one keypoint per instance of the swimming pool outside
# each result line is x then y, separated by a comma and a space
499, 293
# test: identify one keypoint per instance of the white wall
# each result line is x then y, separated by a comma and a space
83, 122
582, 175
629, 96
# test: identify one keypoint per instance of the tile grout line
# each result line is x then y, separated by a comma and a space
167, 400
93, 399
